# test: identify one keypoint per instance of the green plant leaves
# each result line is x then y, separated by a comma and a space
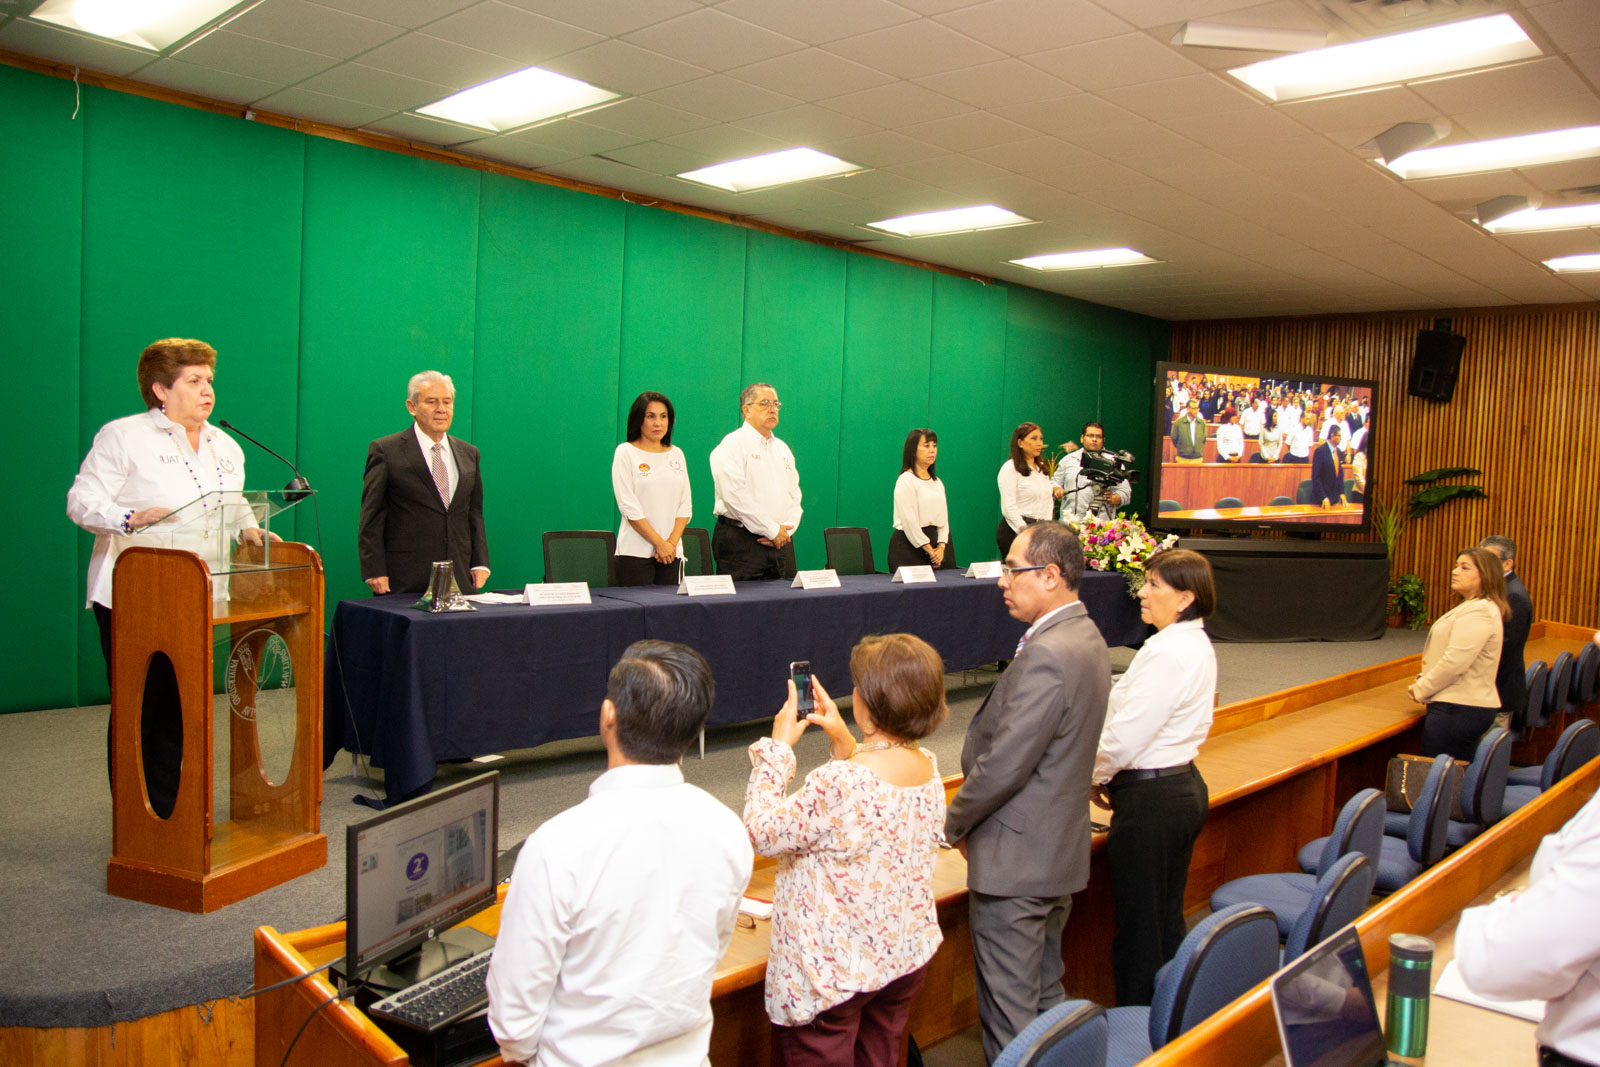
1426, 500
1429, 477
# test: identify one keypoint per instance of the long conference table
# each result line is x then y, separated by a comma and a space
408, 688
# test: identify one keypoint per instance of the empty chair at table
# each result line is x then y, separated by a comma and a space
1577, 745
1483, 790
1340, 897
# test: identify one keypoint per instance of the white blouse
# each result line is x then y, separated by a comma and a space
1160, 709
920, 502
653, 486
1031, 496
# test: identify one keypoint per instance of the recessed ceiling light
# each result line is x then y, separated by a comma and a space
1399, 57
520, 99
1096, 257
1590, 261
774, 168
956, 220
1532, 219
1248, 38
155, 25
1505, 153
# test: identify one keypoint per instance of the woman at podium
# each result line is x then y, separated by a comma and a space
140, 469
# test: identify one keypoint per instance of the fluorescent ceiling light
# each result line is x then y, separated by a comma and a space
520, 99
1532, 219
1473, 157
774, 168
956, 220
155, 25
1248, 38
1096, 257
1399, 57
1575, 263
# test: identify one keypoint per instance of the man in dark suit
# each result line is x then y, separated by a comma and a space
1021, 817
1511, 680
1327, 470
422, 498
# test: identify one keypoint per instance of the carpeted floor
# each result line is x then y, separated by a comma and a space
75, 956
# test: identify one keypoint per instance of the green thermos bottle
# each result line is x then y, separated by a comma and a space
1410, 974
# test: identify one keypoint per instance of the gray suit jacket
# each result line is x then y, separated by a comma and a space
1028, 760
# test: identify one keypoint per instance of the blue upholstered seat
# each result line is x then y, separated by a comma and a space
1226, 954
1483, 790
1359, 828
1400, 861
1071, 1034
1577, 745
1537, 677
1558, 688
1340, 898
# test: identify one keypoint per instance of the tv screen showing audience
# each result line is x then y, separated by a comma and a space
1260, 450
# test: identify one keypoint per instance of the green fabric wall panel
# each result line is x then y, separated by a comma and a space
794, 338
41, 170
1129, 347
888, 327
969, 357
388, 288
1052, 369
545, 389
191, 229
682, 330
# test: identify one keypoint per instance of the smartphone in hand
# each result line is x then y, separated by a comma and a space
800, 674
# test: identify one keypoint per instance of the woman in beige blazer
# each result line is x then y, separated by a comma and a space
1460, 659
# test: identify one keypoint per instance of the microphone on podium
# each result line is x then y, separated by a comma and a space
298, 488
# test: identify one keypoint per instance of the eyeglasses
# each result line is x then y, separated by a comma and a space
773, 404
1008, 570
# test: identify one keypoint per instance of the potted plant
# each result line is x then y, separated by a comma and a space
1408, 600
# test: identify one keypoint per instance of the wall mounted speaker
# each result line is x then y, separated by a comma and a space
1436, 364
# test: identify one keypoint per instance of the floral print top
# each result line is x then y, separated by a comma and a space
853, 909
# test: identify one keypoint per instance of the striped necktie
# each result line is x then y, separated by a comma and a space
441, 477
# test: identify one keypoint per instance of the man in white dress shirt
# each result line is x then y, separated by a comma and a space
621, 908
1081, 499
757, 494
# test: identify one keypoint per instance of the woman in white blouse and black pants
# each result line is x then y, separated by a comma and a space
921, 535
651, 480
1158, 714
1026, 494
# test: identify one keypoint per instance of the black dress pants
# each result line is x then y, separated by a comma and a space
1154, 824
903, 554
644, 570
160, 725
1454, 728
740, 553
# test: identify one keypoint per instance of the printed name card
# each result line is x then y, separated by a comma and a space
706, 584
915, 574
551, 593
828, 579
990, 569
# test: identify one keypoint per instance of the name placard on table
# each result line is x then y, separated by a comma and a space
706, 584
548, 594
911, 575
825, 579
991, 569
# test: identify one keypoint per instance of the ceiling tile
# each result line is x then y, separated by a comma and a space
1175, 98
658, 157
314, 28
320, 107
810, 75
624, 68
992, 85
379, 88
896, 105
1571, 24
609, 18
203, 81
1373, 111
1114, 61
963, 133
1588, 64
721, 98
882, 149
645, 118
275, 64
936, 7
1070, 114
1093, 180
503, 30
46, 42
716, 144
424, 130
1036, 157
1020, 27
575, 135
1501, 118
408, 13
513, 149
818, 21
1519, 85
947, 170
1139, 146
430, 59
713, 40
915, 49
805, 125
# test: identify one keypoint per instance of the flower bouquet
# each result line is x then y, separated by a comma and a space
1119, 544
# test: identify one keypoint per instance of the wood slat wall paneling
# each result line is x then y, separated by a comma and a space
1526, 412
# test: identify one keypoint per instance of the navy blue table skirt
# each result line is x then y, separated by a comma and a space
409, 688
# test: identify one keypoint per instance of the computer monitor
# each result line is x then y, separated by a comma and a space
1326, 1013
415, 870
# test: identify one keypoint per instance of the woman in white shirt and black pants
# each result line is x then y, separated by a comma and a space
1026, 494
1158, 714
651, 480
921, 535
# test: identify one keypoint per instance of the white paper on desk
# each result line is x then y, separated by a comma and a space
1451, 985
987, 569
498, 598
826, 579
909, 575
760, 909
553, 593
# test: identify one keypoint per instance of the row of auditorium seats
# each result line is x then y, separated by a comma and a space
586, 555
1302, 496
1559, 688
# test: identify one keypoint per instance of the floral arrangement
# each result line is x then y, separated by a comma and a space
1119, 544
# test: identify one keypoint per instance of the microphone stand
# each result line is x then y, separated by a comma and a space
298, 488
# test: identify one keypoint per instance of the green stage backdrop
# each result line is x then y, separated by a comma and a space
326, 274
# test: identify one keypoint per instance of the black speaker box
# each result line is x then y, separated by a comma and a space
1436, 364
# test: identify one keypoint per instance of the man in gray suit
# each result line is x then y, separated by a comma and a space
1021, 817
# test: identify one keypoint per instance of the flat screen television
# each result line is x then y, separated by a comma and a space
415, 870
1224, 454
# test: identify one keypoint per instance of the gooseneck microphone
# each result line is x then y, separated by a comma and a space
298, 488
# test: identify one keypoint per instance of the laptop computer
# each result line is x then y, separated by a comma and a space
1327, 1016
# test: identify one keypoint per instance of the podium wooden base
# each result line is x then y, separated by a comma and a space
186, 891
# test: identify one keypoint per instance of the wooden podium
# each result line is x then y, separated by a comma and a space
239, 627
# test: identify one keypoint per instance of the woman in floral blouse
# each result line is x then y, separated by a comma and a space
853, 923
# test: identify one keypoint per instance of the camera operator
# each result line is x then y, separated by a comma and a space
1098, 489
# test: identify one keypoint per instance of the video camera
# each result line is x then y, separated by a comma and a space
1105, 468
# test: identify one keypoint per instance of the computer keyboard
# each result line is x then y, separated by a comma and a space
453, 993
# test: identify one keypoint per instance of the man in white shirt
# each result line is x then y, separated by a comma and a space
756, 488
1081, 499
1539, 945
621, 908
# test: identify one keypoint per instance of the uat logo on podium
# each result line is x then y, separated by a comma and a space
259, 661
